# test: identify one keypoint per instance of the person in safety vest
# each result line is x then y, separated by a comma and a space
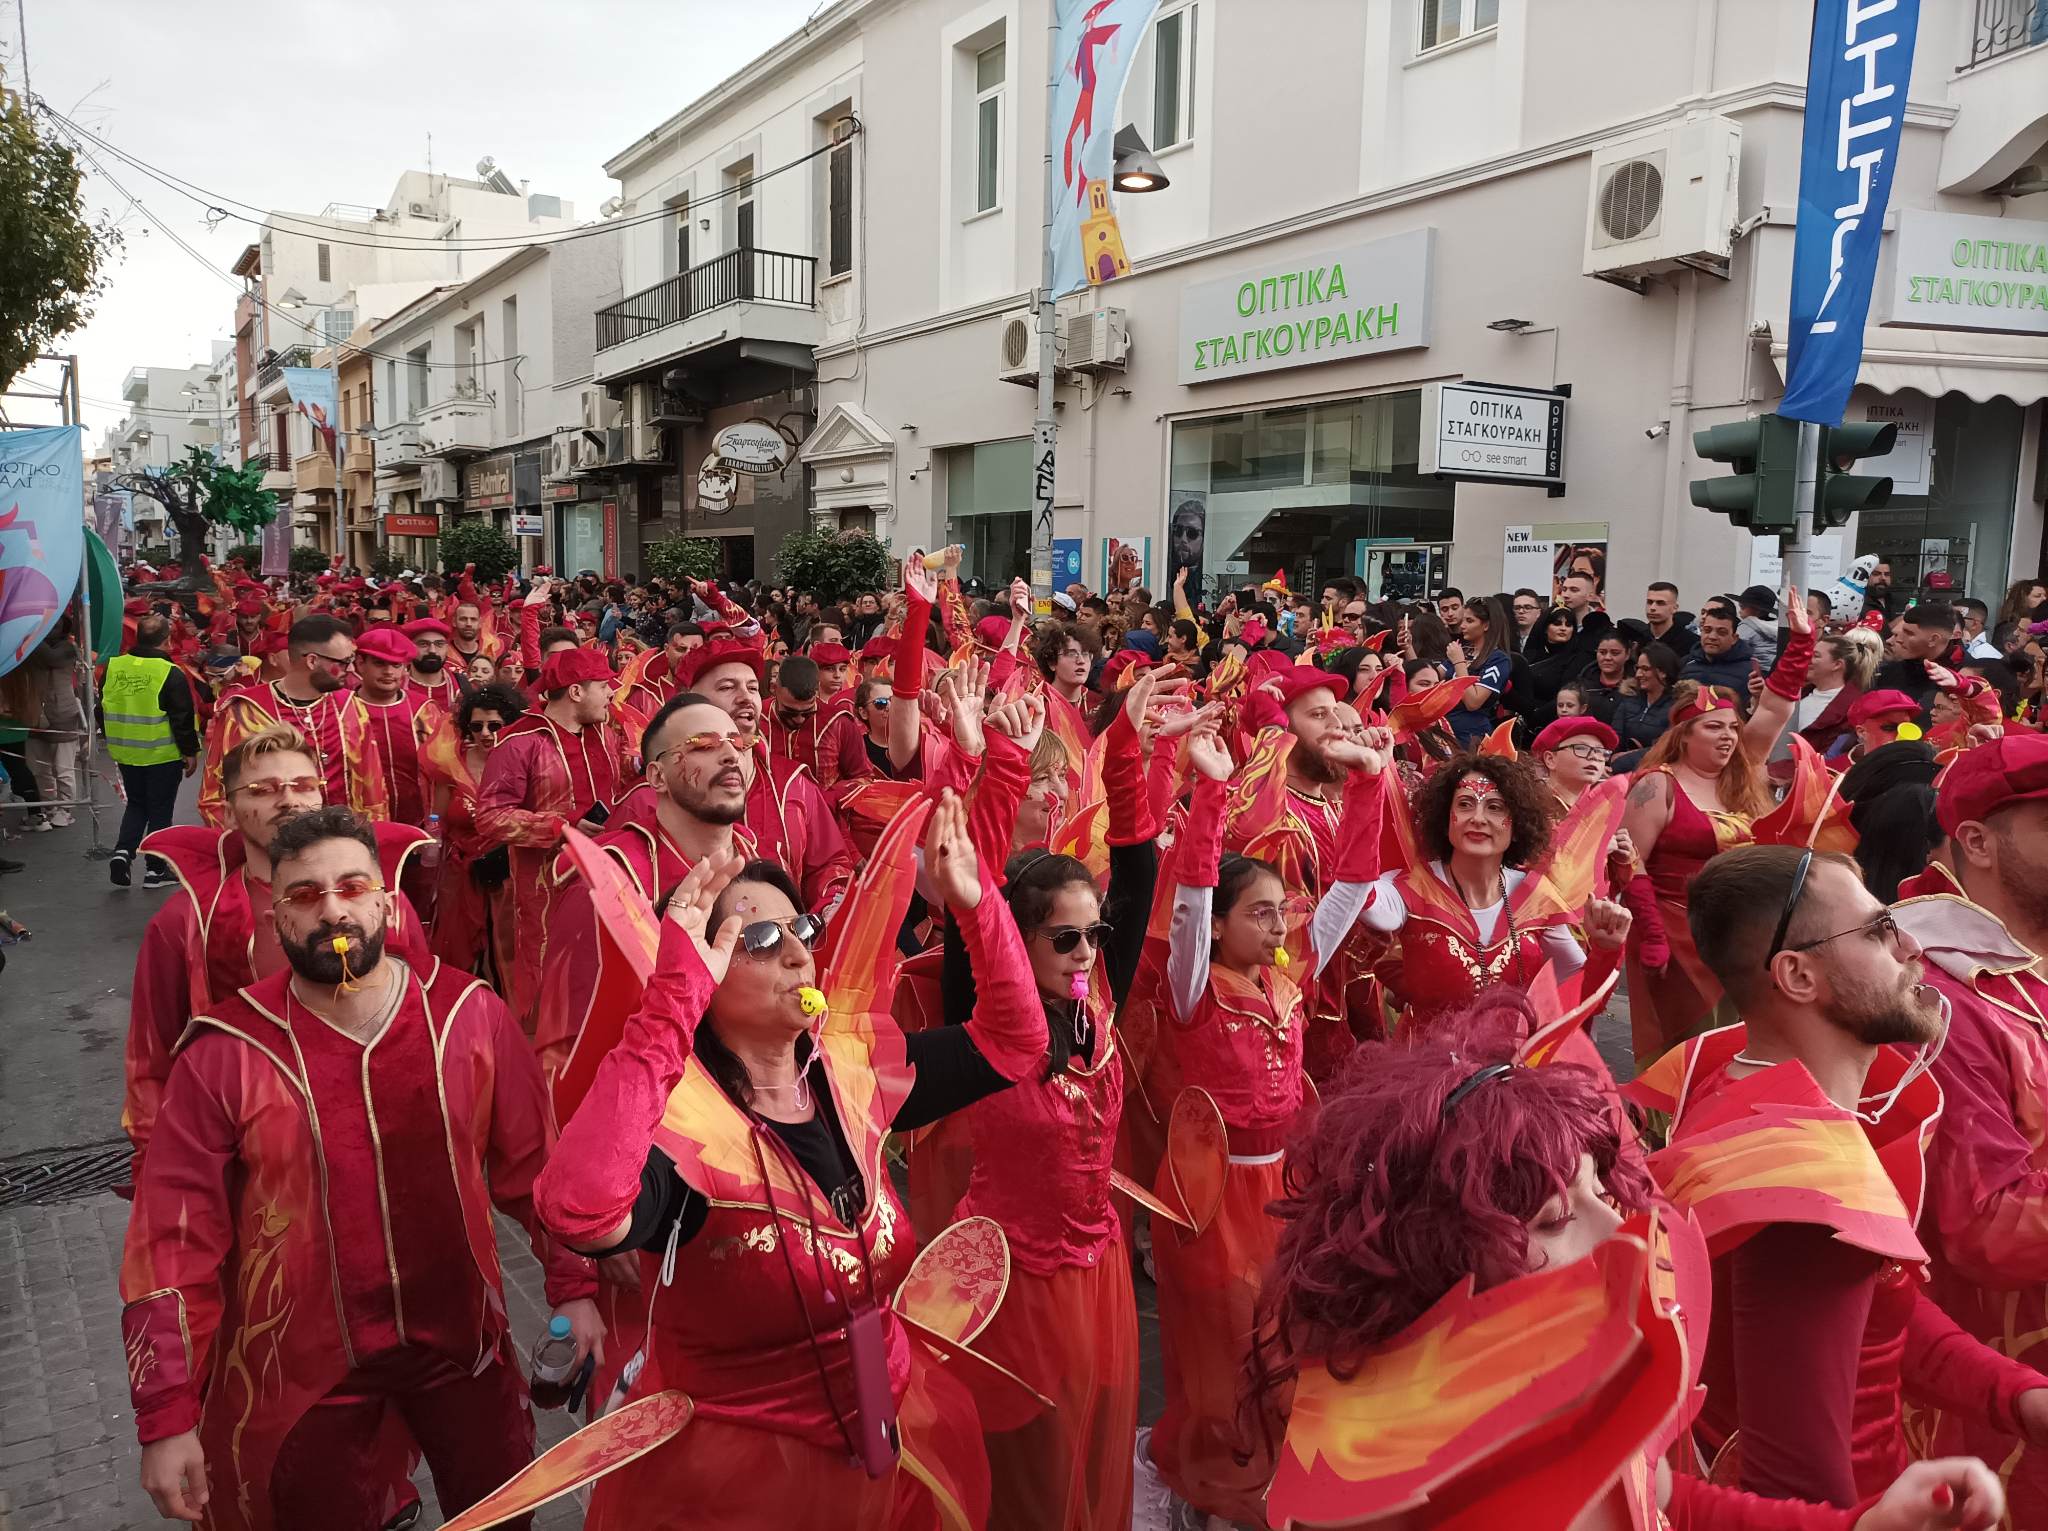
146, 706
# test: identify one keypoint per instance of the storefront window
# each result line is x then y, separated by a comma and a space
988, 508
580, 531
1962, 525
1316, 490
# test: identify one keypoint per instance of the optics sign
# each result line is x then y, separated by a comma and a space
1491, 433
1953, 271
1357, 301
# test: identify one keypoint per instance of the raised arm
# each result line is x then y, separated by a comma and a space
1198, 861
1785, 684
906, 718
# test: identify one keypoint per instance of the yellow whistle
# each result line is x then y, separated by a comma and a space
1910, 731
341, 945
810, 1001
1281, 960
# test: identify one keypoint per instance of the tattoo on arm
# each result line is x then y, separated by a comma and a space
1645, 792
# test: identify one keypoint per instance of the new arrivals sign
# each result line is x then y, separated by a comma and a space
1952, 271
1357, 301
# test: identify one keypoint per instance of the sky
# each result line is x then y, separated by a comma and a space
258, 101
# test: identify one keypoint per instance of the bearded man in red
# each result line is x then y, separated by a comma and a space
818, 732
313, 697
306, 1306
401, 718
429, 675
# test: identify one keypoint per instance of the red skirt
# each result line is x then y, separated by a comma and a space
1208, 1291
1073, 1335
1666, 1008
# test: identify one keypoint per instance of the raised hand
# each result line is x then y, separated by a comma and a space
690, 907
1797, 617
1021, 721
1607, 923
1139, 697
1369, 755
919, 580
966, 690
539, 593
1020, 598
949, 859
1175, 722
1206, 752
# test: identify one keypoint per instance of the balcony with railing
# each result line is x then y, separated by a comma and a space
398, 444
2006, 26
1998, 96
744, 294
454, 428
313, 472
135, 386
271, 374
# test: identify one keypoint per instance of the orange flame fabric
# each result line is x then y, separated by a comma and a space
1813, 812
1423, 709
1570, 873
1501, 742
602, 1446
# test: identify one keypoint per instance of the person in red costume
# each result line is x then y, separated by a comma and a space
818, 732
657, 678
1447, 1200
429, 675
1984, 932
1698, 792
473, 894
213, 936
313, 697
401, 719
311, 1273
739, 1125
564, 768
1475, 913
832, 659
1797, 1144
789, 817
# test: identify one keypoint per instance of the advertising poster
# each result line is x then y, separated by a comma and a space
1125, 564
1093, 43
1538, 557
1187, 537
1066, 562
42, 534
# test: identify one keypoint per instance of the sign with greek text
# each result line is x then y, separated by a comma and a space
1953, 271
1490, 433
1339, 304
752, 446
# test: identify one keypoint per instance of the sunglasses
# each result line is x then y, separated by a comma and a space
339, 661
1065, 938
1791, 903
764, 937
350, 890
297, 786
705, 743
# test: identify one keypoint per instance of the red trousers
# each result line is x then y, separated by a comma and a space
336, 1470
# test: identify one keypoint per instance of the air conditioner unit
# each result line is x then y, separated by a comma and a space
600, 409
590, 451
437, 481
1664, 200
1098, 341
1017, 354
646, 443
419, 209
560, 464
652, 404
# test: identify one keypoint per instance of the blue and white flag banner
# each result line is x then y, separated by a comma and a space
317, 393
42, 533
1093, 49
1856, 79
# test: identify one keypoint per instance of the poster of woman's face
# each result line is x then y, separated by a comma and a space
1186, 537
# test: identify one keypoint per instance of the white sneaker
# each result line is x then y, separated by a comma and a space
62, 819
1153, 1507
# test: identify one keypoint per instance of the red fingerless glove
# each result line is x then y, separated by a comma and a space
1123, 784
1201, 838
1788, 675
907, 679
1358, 831
1653, 945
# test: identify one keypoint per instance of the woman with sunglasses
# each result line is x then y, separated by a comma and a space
737, 1133
472, 896
1448, 1193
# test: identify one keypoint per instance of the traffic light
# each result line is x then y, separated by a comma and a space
1838, 494
1763, 450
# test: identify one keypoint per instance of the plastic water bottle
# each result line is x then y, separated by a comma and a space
430, 853
554, 1366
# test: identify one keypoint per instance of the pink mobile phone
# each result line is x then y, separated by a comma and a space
874, 1404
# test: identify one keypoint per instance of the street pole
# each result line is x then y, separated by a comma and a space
1044, 429
1796, 546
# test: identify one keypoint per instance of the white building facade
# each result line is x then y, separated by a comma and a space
1466, 166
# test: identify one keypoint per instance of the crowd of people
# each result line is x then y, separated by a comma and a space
854, 1001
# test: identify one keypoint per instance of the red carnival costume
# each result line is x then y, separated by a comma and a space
337, 725
829, 742
312, 1248
794, 826
401, 728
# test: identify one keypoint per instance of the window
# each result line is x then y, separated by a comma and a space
1173, 78
337, 324
989, 507
390, 391
988, 127
839, 208
509, 386
682, 238
416, 381
1445, 21
326, 264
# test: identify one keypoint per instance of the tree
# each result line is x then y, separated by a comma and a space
53, 262
681, 558
201, 491
251, 553
475, 540
836, 566
307, 559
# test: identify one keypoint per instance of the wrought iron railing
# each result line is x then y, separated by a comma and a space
738, 276
2006, 26
273, 370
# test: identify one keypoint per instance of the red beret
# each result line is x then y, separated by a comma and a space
428, 627
1563, 729
881, 646
1121, 661
568, 667
1263, 710
1872, 705
992, 631
388, 645
831, 653
709, 656
248, 608
1986, 777
270, 643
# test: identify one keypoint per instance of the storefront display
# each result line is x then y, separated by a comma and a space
1960, 525
988, 508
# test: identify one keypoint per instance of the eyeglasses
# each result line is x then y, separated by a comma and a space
878, 701
1267, 916
1593, 752
350, 890
297, 786
1884, 927
705, 743
1791, 903
764, 937
1065, 938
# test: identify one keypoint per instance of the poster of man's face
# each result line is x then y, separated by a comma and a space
1187, 533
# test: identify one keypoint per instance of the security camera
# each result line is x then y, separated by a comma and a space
1661, 428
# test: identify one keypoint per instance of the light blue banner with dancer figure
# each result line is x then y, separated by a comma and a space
1093, 49
42, 533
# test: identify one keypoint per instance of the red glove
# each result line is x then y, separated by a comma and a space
1653, 946
1788, 676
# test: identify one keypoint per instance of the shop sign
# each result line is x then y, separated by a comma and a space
490, 484
1490, 433
717, 485
1906, 464
403, 524
1360, 300
611, 539
569, 491
752, 446
526, 523
1955, 271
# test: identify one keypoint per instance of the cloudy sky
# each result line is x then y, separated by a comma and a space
295, 107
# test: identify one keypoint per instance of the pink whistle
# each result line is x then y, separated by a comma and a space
1078, 988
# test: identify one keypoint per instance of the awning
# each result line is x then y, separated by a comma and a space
1945, 361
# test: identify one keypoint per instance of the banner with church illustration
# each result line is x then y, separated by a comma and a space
42, 533
316, 393
1092, 52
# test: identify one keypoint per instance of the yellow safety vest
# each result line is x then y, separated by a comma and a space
138, 730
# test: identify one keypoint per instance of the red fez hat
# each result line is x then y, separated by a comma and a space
1565, 729
830, 653
1986, 777
709, 656
388, 645
428, 627
1873, 705
879, 647
569, 667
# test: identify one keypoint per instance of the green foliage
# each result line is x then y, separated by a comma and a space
836, 566
386, 564
681, 558
227, 494
54, 265
308, 560
476, 540
251, 554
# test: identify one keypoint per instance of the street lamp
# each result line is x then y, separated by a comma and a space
1136, 167
291, 298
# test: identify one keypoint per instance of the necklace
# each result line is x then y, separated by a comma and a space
799, 1095
1755, 1063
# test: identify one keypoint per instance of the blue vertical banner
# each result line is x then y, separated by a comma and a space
1857, 72
317, 394
42, 533
1092, 53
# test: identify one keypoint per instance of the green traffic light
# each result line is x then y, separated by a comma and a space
1839, 494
